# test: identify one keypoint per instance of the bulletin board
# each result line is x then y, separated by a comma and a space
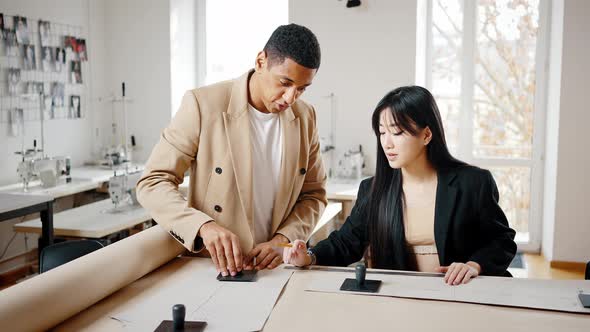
43, 70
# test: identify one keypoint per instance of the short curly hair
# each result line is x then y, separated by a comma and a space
295, 42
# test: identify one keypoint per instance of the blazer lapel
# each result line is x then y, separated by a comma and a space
446, 197
289, 166
237, 130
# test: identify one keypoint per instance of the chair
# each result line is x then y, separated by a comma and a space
60, 253
587, 277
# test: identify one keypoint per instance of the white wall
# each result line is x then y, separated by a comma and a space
366, 52
138, 53
186, 17
571, 229
552, 129
58, 133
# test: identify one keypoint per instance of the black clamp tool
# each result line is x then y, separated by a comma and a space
178, 323
360, 284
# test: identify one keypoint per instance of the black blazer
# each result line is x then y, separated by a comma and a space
469, 225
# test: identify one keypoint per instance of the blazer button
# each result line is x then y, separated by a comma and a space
217, 208
218, 170
302, 171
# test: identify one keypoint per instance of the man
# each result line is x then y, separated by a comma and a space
256, 175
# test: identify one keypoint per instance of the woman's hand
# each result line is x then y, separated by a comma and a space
266, 254
297, 254
460, 273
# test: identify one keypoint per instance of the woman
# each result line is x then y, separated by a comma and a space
423, 210
47, 58
30, 58
60, 59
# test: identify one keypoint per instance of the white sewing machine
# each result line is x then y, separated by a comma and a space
122, 187
49, 170
350, 167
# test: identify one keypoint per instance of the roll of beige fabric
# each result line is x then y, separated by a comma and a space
52, 297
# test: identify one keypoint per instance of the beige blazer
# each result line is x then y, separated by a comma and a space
210, 136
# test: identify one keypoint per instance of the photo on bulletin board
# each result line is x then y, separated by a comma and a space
31, 87
76, 71
35, 88
47, 60
2, 35
48, 106
44, 32
16, 120
70, 44
46, 88
13, 80
29, 54
75, 107
22, 30
11, 44
82, 54
60, 59
57, 92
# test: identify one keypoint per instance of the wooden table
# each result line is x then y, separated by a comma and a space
344, 193
99, 174
299, 310
84, 178
95, 220
62, 189
19, 205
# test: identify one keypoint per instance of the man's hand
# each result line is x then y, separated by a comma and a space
266, 255
458, 273
224, 247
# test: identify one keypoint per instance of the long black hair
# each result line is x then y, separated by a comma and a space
413, 108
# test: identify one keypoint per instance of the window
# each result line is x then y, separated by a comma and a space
236, 31
485, 67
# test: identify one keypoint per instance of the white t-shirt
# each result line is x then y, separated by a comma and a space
266, 139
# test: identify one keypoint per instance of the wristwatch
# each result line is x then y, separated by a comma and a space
312, 255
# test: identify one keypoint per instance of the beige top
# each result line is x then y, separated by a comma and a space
419, 229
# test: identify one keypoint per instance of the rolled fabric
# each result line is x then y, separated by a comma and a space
52, 297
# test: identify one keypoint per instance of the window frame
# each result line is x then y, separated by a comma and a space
466, 129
